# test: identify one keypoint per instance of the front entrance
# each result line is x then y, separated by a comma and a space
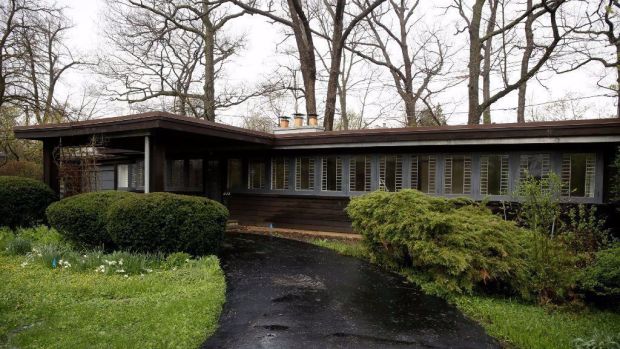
213, 180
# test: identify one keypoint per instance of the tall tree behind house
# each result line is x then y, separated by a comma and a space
596, 39
343, 21
173, 49
548, 11
413, 55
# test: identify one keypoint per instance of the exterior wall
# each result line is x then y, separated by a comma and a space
282, 211
555, 165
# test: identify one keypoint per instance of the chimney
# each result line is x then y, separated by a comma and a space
298, 126
284, 120
298, 119
313, 120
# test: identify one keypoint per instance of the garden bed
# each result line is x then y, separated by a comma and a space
54, 296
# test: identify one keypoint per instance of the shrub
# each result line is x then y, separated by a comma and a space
82, 218
19, 246
167, 222
23, 201
602, 278
540, 208
41, 235
28, 169
6, 236
446, 246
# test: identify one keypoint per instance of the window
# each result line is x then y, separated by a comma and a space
578, 172
130, 176
534, 165
457, 175
195, 175
359, 173
423, 171
304, 173
136, 175
332, 174
256, 174
391, 172
494, 175
122, 176
279, 173
184, 175
234, 174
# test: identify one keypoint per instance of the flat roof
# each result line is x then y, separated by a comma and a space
570, 131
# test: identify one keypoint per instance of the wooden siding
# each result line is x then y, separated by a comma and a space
292, 212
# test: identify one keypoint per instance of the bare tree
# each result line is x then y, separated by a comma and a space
34, 57
176, 50
46, 58
597, 40
421, 56
547, 9
299, 21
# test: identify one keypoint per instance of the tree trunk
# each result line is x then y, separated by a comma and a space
486, 70
475, 46
305, 47
410, 109
334, 69
527, 54
209, 48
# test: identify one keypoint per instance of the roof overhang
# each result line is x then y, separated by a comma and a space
140, 125
593, 131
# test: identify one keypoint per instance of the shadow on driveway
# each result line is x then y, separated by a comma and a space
289, 294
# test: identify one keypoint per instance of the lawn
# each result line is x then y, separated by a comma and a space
42, 307
524, 325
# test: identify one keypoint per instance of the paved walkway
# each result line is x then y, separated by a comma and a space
289, 294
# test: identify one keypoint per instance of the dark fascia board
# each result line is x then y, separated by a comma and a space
485, 133
557, 129
138, 122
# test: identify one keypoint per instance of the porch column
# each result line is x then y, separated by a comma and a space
147, 164
50, 168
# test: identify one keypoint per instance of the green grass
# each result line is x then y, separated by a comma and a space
353, 249
524, 325
62, 308
532, 326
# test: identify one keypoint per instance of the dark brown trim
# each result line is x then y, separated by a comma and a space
148, 122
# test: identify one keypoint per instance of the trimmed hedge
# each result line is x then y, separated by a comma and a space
23, 201
82, 218
166, 222
445, 246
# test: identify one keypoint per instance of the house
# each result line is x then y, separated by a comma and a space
302, 177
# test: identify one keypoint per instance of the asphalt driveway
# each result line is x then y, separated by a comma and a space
289, 294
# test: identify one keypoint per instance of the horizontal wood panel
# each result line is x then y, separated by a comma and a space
309, 213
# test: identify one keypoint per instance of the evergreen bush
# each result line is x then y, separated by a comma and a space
446, 246
23, 201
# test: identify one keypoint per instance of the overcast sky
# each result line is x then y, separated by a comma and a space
259, 59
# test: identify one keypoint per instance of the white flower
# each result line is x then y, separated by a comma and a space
120, 262
100, 269
120, 270
110, 262
24, 264
149, 270
126, 275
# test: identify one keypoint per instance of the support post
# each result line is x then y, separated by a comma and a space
50, 168
147, 164
157, 162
